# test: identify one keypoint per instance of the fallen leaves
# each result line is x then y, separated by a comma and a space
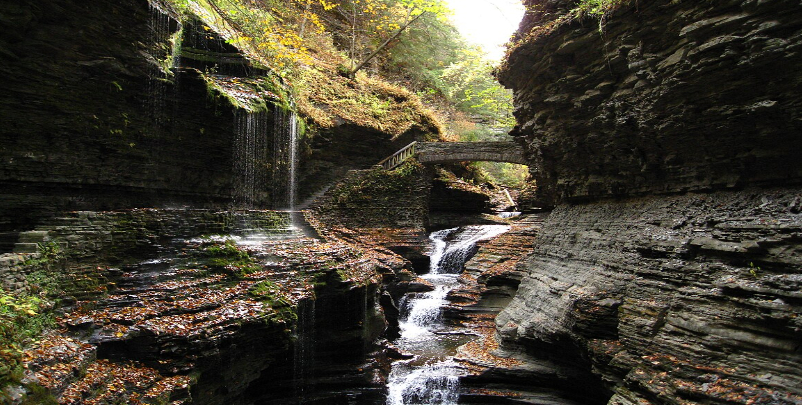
173, 309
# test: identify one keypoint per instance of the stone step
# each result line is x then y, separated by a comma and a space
32, 237
26, 248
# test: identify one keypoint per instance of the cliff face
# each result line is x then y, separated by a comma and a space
669, 144
662, 97
88, 120
108, 107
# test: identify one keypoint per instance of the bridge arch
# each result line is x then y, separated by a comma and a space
449, 152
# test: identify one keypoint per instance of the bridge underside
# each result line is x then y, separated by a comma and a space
448, 152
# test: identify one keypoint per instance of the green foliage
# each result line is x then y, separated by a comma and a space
23, 317
442, 68
49, 253
421, 56
754, 270
598, 8
469, 84
504, 174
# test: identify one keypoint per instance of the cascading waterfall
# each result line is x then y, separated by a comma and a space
432, 377
250, 158
267, 172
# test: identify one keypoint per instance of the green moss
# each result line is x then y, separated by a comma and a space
38, 395
380, 184
598, 8
253, 94
271, 293
231, 259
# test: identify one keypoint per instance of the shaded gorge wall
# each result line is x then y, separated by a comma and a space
96, 114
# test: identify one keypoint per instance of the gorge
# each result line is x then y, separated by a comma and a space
153, 175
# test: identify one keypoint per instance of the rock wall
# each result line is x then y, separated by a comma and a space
683, 298
378, 198
666, 136
658, 97
89, 121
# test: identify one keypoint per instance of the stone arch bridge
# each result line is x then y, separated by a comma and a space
447, 152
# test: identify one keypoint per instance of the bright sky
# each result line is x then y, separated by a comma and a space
488, 23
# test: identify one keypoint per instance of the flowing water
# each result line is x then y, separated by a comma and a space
250, 156
253, 184
432, 377
159, 27
285, 159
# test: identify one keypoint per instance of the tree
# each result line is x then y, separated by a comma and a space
471, 87
415, 10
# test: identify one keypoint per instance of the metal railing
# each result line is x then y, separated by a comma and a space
399, 157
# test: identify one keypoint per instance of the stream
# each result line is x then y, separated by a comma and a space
432, 376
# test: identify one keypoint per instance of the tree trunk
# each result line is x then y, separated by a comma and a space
384, 45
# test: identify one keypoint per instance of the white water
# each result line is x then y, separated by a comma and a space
250, 154
265, 172
285, 159
255, 162
432, 377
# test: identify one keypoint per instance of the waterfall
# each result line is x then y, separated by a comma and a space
250, 158
450, 256
304, 350
432, 377
285, 159
160, 34
429, 384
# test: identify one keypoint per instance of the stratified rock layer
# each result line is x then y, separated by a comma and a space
689, 298
667, 138
661, 97
88, 119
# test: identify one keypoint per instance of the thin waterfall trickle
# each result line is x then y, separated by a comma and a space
250, 159
304, 350
432, 377
285, 159
159, 26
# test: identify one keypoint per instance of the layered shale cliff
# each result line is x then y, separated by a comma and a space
661, 97
667, 137
91, 121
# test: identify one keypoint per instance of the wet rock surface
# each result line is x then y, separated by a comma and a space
211, 321
510, 375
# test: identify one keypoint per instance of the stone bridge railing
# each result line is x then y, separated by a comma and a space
447, 152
